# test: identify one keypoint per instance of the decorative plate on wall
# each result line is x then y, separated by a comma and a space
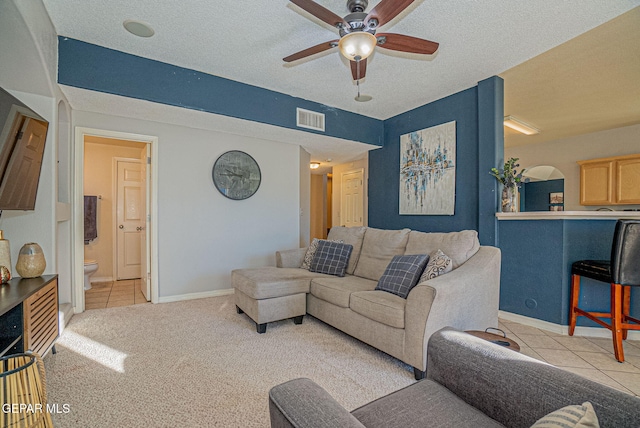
236, 175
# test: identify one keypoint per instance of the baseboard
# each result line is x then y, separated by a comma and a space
65, 313
191, 296
101, 279
562, 329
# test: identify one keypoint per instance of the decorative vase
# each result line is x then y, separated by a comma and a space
5, 274
5, 252
509, 199
31, 262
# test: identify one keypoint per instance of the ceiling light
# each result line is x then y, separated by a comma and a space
357, 46
520, 126
138, 28
314, 165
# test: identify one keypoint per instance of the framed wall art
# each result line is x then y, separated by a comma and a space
556, 198
428, 171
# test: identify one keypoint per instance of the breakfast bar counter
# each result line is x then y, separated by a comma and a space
538, 249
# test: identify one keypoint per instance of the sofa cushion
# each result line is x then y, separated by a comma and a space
402, 274
576, 416
268, 282
378, 248
349, 235
378, 305
460, 246
439, 264
338, 290
311, 251
331, 258
422, 404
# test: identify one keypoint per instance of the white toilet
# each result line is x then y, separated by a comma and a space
90, 267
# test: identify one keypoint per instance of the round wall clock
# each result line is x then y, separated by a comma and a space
236, 175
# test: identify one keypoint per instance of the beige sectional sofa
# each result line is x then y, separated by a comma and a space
465, 298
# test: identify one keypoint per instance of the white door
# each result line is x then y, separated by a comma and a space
352, 199
145, 242
130, 217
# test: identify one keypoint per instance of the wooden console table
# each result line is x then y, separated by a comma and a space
29, 315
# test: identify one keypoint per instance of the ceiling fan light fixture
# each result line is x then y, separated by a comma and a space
357, 46
520, 126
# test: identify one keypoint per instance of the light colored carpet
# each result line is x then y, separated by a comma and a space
200, 364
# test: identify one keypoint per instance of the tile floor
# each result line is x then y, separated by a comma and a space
591, 357
113, 293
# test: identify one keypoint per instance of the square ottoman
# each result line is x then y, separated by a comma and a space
270, 294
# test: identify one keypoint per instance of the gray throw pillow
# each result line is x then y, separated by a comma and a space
402, 274
576, 416
331, 258
439, 264
311, 251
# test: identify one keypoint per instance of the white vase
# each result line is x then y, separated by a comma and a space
5, 252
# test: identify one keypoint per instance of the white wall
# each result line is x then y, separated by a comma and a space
28, 48
564, 153
202, 234
305, 197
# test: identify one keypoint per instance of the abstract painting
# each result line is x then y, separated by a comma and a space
428, 171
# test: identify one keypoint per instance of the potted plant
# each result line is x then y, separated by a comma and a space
511, 181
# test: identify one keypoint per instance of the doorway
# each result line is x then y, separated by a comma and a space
120, 172
352, 198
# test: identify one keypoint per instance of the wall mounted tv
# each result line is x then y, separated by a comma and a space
22, 137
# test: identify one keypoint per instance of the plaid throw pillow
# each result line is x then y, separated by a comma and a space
402, 274
311, 251
331, 258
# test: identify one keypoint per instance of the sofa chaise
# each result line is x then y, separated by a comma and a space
470, 383
465, 298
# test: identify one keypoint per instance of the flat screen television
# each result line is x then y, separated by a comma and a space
23, 134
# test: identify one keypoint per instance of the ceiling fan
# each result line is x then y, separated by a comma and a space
358, 35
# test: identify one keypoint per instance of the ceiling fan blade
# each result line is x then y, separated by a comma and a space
359, 69
400, 42
320, 12
311, 51
386, 10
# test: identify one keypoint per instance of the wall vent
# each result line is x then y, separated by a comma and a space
310, 119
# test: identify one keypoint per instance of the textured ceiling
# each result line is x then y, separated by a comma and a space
246, 41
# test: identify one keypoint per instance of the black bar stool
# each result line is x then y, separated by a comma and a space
622, 272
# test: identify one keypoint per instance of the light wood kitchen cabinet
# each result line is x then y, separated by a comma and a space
610, 181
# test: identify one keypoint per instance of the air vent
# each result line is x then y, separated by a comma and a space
310, 119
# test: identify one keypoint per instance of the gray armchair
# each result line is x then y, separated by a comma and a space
470, 383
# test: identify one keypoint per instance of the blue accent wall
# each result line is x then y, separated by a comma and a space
490, 154
471, 163
536, 267
536, 194
88, 66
